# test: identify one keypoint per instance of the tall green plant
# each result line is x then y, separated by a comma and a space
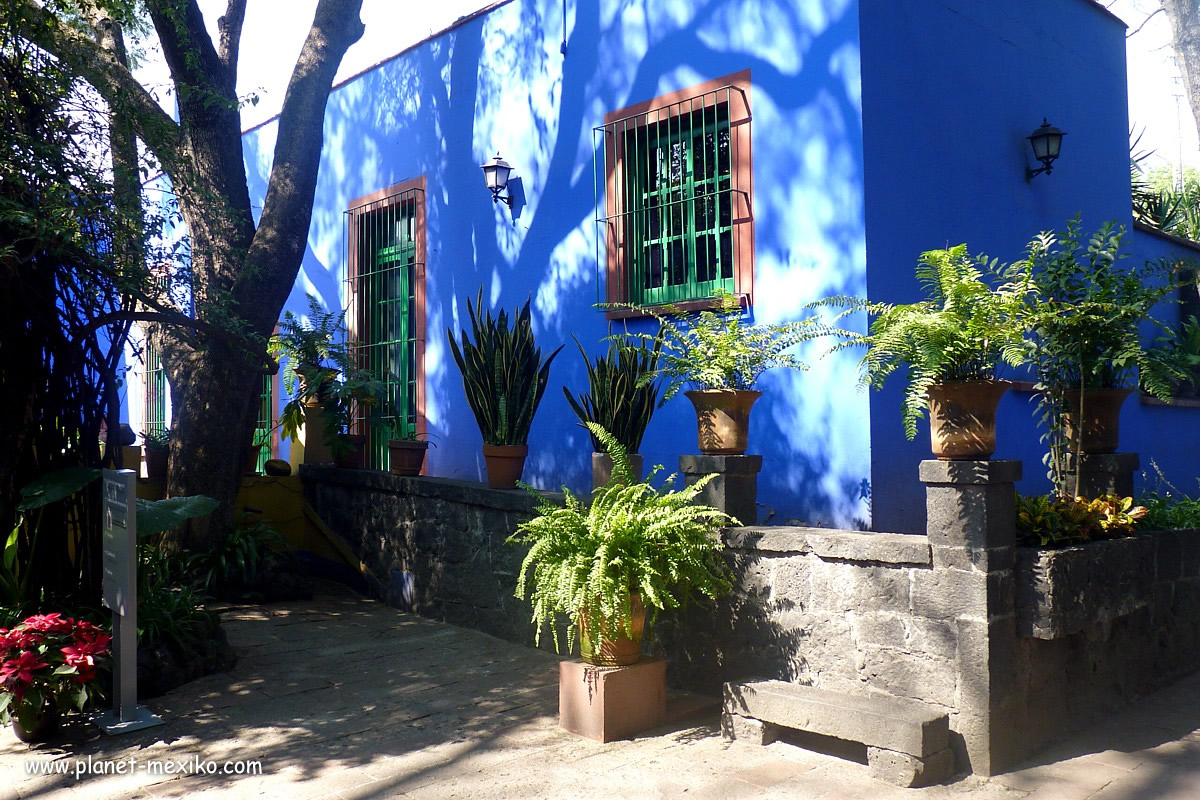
621, 393
962, 331
1085, 315
503, 372
585, 561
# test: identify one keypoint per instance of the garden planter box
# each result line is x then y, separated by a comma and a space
1062, 592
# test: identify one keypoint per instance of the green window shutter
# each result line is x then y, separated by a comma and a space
154, 410
264, 424
384, 285
675, 200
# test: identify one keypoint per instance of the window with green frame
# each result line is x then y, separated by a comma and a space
154, 408
679, 237
264, 424
382, 286
675, 174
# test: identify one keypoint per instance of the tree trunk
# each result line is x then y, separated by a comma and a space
1184, 16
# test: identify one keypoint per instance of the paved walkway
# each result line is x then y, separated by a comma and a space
346, 698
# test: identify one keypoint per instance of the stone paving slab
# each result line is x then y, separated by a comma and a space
349, 699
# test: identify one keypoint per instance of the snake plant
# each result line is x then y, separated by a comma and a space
621, 395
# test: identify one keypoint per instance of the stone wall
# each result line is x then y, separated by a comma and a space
433, 546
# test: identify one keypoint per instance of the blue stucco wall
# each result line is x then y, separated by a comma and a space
950, 91
499, 82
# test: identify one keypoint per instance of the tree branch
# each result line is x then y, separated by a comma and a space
230, 28
175, 318
1147, 19
287, 210
103, 70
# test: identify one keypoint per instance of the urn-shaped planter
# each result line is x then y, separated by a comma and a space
406, 456
504, 463
618, 650
723, 419
962, 418
1101, 420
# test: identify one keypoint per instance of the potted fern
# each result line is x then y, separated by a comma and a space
504, 377
621, 397
952, 344
721, 358
1085, 314
612, 564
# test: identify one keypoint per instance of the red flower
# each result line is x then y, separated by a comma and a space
49, 623
21, 668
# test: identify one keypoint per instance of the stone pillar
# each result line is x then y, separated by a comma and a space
734, 490
971, 524
1103, 473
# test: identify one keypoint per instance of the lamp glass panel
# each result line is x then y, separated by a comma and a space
1041, 145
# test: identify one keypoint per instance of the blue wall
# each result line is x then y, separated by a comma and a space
950, 91
499, 82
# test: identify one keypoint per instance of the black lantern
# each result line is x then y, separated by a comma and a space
1046, 142
495, 175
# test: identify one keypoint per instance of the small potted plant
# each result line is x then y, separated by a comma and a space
1085, 315
621, 398
355, 392
632, 552
314, 349
952, 344
721, 358
406, 451
504, 377
157, 443
48, 664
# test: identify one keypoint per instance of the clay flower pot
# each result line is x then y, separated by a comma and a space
723, 420
619, 651
355, 458
406, 457
156, 463
504, 462
602, 467
962, 419
44, 726
1101, 419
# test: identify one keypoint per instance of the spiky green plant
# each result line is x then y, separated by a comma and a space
621, 393
503, 372
962, 331
585, 561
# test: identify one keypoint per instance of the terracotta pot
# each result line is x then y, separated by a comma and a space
1101, 419
602, 468
316, 451
406, 457
962, 418
251, 465
619, 651
357, 457
44, 726
723, 420
505, 462
156, 463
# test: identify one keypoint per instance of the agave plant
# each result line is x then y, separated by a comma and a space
503, 372
621, 392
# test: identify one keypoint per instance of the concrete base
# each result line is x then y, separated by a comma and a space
734, 490
609, 703
1108, 473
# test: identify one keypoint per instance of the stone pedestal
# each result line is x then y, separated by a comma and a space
971, 524
1107, 473
609, 703
734, 490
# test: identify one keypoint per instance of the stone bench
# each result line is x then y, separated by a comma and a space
907, 742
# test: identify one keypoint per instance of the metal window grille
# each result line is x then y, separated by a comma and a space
154, 411
668, 216
265, 423
382, 317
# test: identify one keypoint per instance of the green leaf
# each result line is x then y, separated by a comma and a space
156, 516
55, 486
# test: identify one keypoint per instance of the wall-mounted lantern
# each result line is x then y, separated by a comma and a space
1046, 142
495, 175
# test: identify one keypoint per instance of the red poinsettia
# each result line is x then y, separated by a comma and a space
49, 661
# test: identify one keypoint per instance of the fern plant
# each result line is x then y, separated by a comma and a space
503, 372
586, 561
621, 393
962, 331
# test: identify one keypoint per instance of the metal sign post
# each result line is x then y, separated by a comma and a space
120, 595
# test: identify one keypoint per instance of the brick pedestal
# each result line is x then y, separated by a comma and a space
734, 490
609, 703
1107, 473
